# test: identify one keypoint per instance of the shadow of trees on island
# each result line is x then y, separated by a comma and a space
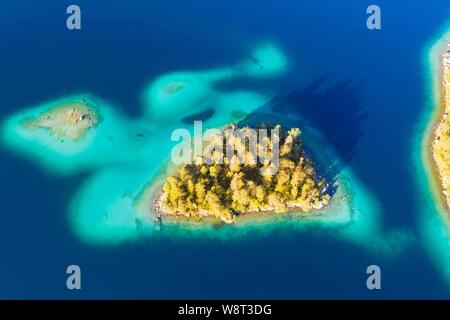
333, 111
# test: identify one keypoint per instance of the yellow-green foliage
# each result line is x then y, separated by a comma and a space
229, 189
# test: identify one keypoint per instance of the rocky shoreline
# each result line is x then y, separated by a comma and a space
162, 215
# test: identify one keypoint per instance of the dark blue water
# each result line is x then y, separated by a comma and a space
123, 45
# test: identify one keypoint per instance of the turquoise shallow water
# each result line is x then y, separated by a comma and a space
364, 94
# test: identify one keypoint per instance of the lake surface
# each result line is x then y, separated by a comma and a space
366, 91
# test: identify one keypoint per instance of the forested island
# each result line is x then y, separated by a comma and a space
68, 120
227, 188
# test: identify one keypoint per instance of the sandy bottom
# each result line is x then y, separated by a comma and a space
128, 160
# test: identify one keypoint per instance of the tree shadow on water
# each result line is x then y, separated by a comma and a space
333, 111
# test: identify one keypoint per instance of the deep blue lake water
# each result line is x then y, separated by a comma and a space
123, 45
